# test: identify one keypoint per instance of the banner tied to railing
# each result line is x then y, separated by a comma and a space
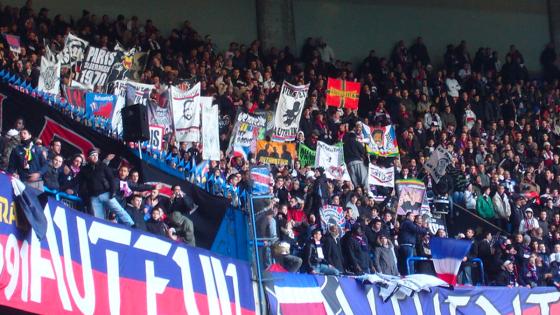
91, 266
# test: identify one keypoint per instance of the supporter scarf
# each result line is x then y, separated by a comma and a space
27, 147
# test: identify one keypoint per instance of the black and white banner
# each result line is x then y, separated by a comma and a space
186, 113
96, 66
73, 51
210, 129
49, 78
120, 92
437, 163
288, 111
330, 157
381, 176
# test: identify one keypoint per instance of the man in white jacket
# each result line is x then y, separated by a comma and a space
502, 207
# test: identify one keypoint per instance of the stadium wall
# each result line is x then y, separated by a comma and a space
351, 27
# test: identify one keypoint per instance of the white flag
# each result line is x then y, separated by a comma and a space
187, 110
381, 176
288, 111
210, 130
331, 158
49, 78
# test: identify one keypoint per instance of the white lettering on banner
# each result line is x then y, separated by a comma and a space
211, 293
517, 305
25, 265
12, 265
24, 255
417, 304
343, 301
120, 236
154, 285
56, 262
486, 305
543, 299
223, 294
371, 301
456, 301
181, 257
86, 304
395, 304
231, 272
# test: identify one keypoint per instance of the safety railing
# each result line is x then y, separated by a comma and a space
410, 261
71, 201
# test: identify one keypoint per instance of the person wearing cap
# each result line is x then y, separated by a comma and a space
98, 186
529, 222
507, 276
314, 256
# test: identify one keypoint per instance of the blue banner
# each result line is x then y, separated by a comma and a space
86, 265
101, 105
310, 294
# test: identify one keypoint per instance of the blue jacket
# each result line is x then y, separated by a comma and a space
37, 164
409, 231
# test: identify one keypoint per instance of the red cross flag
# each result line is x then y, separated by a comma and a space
342, 93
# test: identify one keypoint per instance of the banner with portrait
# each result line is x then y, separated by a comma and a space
412, 197
245, 134
383, 142
438, 162
332, 215
186, 113
269, 152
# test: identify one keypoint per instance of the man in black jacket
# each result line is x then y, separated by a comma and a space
315, 260
355, 157
97, 184
332, 249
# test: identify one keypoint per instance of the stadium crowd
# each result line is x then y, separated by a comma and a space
500, 126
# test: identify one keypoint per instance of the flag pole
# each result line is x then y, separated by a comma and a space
140, 149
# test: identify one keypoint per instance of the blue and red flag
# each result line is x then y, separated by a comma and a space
447, 255
262, 180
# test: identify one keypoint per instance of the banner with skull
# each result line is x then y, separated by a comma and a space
288, 111
187, 110
49, 78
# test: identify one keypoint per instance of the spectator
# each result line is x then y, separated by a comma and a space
484, 205
385, 259
28, 162
137, 212
184, 230
97, 185
315, 258
332, 248
155, 224
409, 231
508, 277
528, 223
